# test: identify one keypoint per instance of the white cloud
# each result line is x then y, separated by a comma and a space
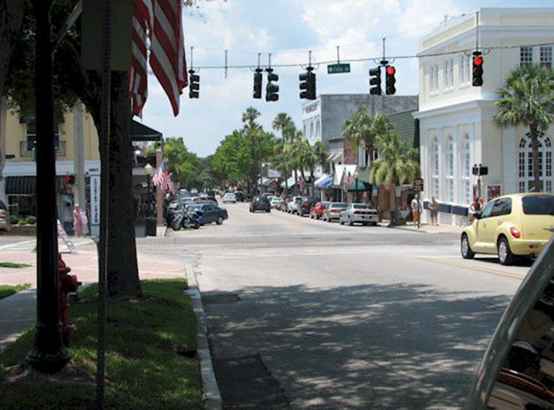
419, 17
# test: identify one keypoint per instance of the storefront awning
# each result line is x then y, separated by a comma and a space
142, 133
359, 185
324, 182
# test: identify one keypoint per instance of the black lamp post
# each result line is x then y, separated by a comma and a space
48, 354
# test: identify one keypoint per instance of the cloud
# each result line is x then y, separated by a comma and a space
419, 17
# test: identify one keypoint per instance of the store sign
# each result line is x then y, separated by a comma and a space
95, 205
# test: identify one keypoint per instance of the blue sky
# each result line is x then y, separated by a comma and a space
288, 29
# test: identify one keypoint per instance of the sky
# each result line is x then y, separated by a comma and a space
288, 29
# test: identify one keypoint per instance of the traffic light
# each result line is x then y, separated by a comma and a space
478, 69
375, 81
271, 89
194, 85
258, 79
308, 84
390, 80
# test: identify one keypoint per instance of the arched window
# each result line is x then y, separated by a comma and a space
525, 165
435, 168
450, 169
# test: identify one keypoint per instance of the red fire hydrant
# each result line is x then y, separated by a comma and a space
68, 284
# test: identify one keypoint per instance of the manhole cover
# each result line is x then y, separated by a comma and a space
246, 383
220, 298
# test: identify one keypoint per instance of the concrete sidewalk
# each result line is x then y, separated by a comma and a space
426, 228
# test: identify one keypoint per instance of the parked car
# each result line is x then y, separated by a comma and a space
333, 211
239, 195
229, 197
517, 370
276, 202
295, 204
307, 205
510, 226
359, 213
209, 213
318, 209
260, 203
4, 217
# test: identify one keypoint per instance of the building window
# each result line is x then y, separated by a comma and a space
434, 78
311, 130
466, 168
451, 73
526, 55
435, 168
317, 130
546, 57
450, 169
525, 164
462, 69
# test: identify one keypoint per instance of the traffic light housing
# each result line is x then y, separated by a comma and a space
478, 62
271, 89
194, 85
258, 79
390, 79
308, 84
375, 81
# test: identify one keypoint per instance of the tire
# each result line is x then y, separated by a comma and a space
175, 227
268, 210
505, 255
465, 249
219, 220
341, 221
350, 223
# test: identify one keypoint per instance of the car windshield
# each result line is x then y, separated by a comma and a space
338, 205
359, 206
538, 205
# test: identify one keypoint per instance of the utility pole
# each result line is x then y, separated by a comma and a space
48, 354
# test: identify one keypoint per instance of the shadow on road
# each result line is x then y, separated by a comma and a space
379, 347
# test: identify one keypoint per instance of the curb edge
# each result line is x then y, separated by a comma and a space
211, 394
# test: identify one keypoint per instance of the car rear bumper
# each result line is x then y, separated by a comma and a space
365, 218
527, 247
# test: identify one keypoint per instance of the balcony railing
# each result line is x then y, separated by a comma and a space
25, 153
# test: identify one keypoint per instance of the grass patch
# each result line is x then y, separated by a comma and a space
13, 265
8, 290
144, 370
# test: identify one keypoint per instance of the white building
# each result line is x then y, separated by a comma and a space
457, 120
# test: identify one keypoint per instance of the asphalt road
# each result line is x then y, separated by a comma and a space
325, 316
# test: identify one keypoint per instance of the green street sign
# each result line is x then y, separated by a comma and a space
338, 68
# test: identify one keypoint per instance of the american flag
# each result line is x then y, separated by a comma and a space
162, 179
157, 26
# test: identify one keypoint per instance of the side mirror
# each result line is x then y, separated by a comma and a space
517, 371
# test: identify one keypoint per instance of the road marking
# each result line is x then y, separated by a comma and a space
17, 244
467, 265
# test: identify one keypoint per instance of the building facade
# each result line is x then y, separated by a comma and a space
457, 127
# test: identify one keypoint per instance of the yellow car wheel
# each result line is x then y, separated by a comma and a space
505, 255
465, 248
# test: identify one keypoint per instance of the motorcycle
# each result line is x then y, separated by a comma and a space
180, 218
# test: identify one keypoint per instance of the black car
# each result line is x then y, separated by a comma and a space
239, 196
209, 213
260, 203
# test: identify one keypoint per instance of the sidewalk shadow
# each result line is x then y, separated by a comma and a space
380, 347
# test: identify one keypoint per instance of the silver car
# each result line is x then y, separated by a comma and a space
333, 211
517, 371
359, 213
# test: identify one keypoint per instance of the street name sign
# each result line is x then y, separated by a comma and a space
338, 68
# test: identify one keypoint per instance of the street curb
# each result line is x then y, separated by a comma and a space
212, 396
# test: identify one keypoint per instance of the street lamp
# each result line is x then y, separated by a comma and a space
150, 225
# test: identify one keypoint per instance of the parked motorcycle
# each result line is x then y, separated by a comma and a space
181, 218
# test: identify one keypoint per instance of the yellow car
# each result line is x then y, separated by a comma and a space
510, 226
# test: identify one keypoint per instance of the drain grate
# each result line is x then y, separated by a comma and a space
220, 298
246, 383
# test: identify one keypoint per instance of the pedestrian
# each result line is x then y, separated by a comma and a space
167, 212
434, 208
416, 210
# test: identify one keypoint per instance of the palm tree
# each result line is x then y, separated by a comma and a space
527, 99
280, 161
249, 118
283, 122
395, 166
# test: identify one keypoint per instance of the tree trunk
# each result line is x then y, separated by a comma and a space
302, 174
123, 275
11, 18
535, 147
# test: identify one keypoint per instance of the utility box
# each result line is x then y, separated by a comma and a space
92, 24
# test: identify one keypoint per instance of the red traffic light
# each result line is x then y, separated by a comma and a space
391, 70
478, 60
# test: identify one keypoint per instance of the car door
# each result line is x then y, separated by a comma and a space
488, 235
482, 229
209, 214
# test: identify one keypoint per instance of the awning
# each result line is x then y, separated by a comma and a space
143, 133
359, 185
335, 157
324, 182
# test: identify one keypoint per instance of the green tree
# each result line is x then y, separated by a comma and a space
11, 19
185, 166
395, 166
527, 99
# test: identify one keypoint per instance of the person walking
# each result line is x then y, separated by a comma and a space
416, 211
434, 208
